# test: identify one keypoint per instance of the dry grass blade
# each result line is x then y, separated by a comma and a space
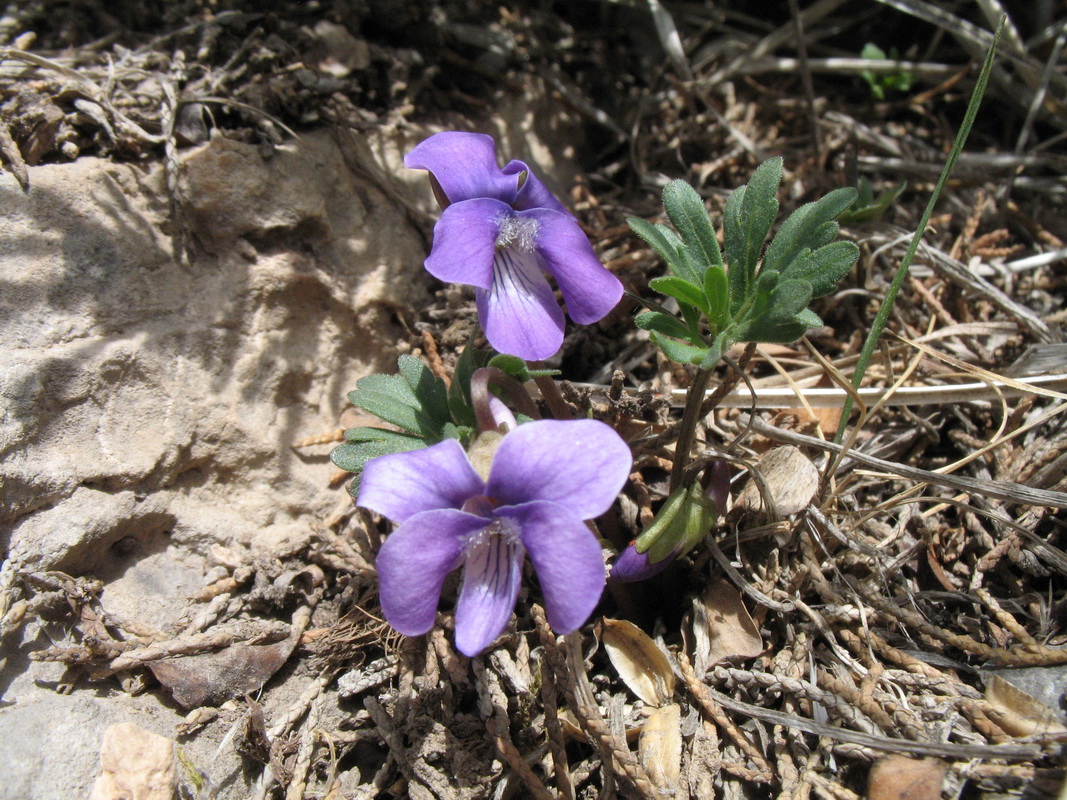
1013, 752
999, 490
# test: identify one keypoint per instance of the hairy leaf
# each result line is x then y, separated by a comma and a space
686, 210
717, 292
682, 290
807, 228
427, 387
662, 323
678, 351
825, 267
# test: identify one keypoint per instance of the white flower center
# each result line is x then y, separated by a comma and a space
517, 232
499, 531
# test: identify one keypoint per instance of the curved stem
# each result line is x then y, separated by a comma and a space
550, 392
694, 399
516, 392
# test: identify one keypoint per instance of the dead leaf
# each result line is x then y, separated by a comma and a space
1017, 712
901, 778
209, 678
790, 477
643, 667
722, 627
660, 747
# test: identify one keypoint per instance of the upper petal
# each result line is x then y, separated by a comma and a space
492, 572
589, 289
465, 166
414, 562
581, 464
519, 312
566, 557
532, 193
400, 485
464, 242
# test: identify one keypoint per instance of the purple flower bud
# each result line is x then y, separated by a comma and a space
632, 566
717, 485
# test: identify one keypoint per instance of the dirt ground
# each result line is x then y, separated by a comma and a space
897, 630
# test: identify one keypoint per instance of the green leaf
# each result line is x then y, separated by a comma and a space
809, 318
388, 407
746, 224
825, 267
734, 241
393, 386
789, 298
717, 292
809, 227
427, 387
352, 456
655, 237
414, 400
718, 347
678, 351
686, 210
866, 208
776, 315
662, 323
459, 393
682, 290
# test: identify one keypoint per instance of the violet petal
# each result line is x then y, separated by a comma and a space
580, 464
414, 562
465, 166
533, 193
464, 242
400, 485
588, 288
519, 313
492, 573
566, 557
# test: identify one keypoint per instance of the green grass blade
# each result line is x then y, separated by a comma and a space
882, 317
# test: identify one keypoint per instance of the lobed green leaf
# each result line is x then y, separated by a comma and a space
430, 390
825, 267
808, 228
747, 222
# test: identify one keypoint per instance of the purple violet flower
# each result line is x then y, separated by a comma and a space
545, 478
500, 232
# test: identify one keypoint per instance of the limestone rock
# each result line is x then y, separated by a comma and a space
137, 765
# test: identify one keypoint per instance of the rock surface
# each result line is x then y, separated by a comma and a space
136, 765
148, 404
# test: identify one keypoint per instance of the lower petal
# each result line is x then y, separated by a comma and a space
589, 289
491, 575
414, 562
566, 557
519, 312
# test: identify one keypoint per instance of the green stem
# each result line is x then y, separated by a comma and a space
882, 317
694, 399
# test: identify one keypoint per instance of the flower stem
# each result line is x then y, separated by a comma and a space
516, 392
551, 394
694, 399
